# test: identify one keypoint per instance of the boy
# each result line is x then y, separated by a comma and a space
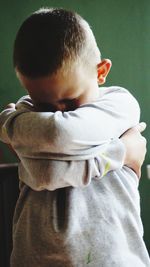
57, 60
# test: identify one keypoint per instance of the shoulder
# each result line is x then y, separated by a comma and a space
118, 93
113, 89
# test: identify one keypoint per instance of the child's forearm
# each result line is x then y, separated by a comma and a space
74, 135
41, 134
53, 174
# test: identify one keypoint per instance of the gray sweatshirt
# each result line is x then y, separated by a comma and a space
78, 205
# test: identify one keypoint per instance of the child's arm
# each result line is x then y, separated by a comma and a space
49, 174
39, 135
114, 152
57, 174
52, 174
70, 135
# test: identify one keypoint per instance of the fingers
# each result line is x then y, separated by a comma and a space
141, 127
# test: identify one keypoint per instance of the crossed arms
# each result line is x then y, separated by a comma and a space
85, 141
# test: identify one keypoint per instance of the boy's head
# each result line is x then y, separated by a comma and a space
55, 44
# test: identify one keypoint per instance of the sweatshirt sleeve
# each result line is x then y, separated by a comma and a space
85, 141
53, 174
73, 135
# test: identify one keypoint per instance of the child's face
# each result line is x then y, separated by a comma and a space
62, 92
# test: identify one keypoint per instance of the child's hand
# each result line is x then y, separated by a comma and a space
135, 145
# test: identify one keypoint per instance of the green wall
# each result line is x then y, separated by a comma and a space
123, 34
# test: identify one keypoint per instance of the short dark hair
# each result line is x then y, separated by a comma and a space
45, 40
50, 38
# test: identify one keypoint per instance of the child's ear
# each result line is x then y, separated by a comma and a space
103, 69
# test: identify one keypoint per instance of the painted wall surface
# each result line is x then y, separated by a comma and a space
123, 35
